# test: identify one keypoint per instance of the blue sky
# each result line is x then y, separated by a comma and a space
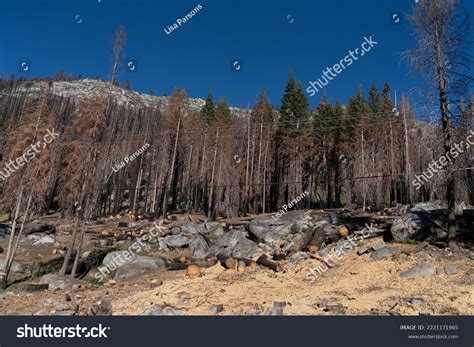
198, 55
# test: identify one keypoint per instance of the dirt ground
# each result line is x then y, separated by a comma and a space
357, 285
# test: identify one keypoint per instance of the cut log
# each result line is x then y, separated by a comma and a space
321, 234
34, 287
45, 228
301, 244
279, 256
264, 261
317, 240
178, 265
233, 263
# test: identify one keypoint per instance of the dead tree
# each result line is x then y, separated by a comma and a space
118, 48
442, 30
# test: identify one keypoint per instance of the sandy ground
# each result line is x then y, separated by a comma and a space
358, 285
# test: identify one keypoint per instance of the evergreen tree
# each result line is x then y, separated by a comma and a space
222, 111
207, 111
386, 102
374, 100
262, 111
294, 111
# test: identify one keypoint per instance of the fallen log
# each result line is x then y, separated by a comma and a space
301, 244
178, 265
34, 287
233, 263
264, 261
321, 234
45, 228
316, 242
279, 256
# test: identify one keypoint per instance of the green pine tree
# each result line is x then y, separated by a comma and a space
294, 111
374, 100
222, 111
387, 102
208, 111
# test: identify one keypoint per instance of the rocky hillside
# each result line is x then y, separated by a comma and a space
79, 90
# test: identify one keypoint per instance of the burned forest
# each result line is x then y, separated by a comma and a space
114, 201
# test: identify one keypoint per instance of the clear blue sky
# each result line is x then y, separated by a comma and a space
198, 55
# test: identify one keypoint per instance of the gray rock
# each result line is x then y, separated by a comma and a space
299, 256
132, 271
246, 248
334, 219
337, 309
16, 267
422, 257
274, 311
421, 270
138, 267
279, 304
113, 258
364, 250
224, 244
276, 233
162, 246
44, 240
117, 259
129, 266
416, 301
383, 253
56, 282
212, 226
191, 228
378, 246
450, 270
429, 206
218, 232
176, 230
412, 226
322, 303
339, 245
199, 248
163, 311
177, 241
259, 228
102, 307
216, 309
86, 254
291, 217
324, 251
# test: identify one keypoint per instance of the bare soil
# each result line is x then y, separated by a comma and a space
357, 285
